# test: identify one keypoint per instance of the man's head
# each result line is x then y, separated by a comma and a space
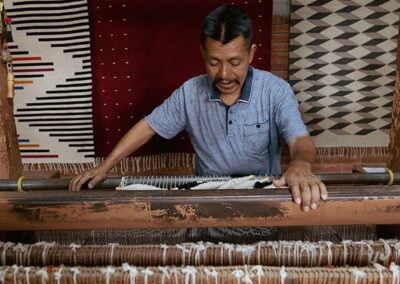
226, 23
226, 41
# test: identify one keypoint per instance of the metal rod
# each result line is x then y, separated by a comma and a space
111, 183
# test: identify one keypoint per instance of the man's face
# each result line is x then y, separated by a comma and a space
227, 64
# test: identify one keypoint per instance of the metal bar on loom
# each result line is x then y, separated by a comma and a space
169, 182
108, 183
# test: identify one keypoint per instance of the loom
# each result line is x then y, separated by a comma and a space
50, 235
199, 236
36, 204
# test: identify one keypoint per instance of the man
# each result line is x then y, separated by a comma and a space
236, 116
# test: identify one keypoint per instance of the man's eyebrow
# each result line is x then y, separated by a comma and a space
229, 59
212, 58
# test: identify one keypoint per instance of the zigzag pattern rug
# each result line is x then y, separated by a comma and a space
53, 80
342, 68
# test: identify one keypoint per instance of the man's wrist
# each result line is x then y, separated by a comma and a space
300, 163
109, 163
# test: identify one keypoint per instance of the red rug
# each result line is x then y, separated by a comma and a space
142, 50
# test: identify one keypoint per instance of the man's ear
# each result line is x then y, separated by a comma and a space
253, 49
203, 52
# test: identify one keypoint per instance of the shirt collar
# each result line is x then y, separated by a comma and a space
246, 90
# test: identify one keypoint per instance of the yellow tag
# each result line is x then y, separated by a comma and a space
19, 184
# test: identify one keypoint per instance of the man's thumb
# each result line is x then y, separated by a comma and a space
280, 182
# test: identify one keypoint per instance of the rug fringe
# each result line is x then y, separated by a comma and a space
138, 164
143, 164
352, 152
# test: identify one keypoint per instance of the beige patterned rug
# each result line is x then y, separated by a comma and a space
342, 68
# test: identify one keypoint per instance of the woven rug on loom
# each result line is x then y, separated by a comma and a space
143, 50
51, 60
342, 68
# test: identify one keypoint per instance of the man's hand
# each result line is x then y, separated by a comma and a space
138, 135
306, 188
95, 176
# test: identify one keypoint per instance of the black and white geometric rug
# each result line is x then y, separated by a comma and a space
53, 80
342, 69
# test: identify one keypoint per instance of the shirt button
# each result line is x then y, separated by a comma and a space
258, 126
230, 121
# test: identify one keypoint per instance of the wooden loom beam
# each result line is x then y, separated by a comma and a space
10, 158
394, 140
63, 210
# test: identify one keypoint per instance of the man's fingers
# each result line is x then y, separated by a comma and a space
307, 189
315, 195
305, 196
95, 180
70, 185
296, 194
84, 179
280, 182
73, 183
323, 191
77, 182
93, 176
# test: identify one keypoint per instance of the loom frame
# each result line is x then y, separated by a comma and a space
102, 209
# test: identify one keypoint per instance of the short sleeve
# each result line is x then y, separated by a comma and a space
169, 118
288, 117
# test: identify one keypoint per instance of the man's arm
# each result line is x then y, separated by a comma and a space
138, 135
306, 188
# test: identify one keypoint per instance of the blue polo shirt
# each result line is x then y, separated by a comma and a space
244, 138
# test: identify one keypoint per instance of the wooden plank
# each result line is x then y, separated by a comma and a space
394, 140
10, 158
63, 210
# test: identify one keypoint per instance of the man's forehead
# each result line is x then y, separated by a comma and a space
238, 44
239, 38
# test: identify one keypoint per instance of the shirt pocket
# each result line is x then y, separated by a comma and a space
256, 136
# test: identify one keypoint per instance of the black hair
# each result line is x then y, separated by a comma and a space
225, 23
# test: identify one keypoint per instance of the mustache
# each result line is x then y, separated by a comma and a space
218, 79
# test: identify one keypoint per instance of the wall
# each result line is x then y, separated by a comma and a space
337, 161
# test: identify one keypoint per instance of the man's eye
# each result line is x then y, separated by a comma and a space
213, 63
235, 62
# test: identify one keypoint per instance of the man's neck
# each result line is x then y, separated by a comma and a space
230, 99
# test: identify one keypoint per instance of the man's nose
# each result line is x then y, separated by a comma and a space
224, 71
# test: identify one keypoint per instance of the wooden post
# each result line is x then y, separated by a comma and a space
394, 142
10, 158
